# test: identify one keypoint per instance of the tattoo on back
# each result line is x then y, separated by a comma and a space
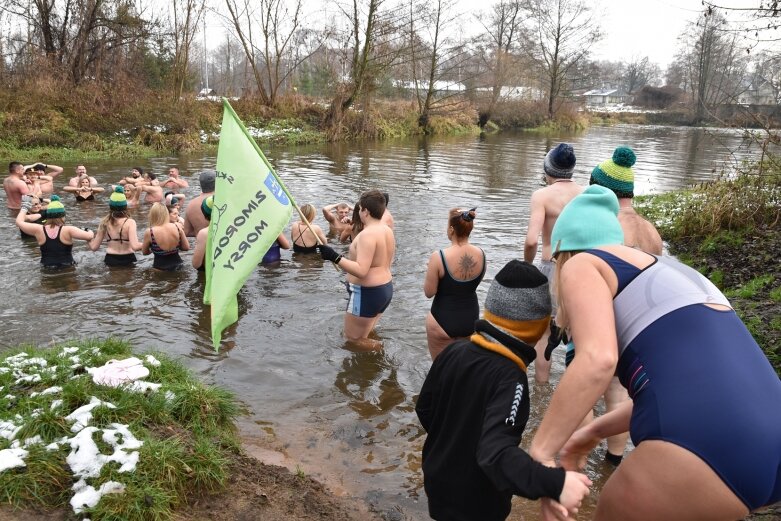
465, 266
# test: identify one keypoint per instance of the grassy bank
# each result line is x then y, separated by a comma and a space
729, 230
65, 439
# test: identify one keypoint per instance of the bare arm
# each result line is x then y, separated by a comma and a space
78, 233
284, 243
29, 228
96, 241
132, 235
589, 303
97, 189
54, 170
199, 253
575, 452
146, 244
70, 189
431, 282
534, 228
328, 213
346, 234
184, 244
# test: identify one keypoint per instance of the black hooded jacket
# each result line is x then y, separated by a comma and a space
474, 406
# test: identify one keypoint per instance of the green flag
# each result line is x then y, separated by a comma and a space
251, 208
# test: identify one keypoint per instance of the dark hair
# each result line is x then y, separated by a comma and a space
462, 222
387, 198
12, 166
619, 193
152, 176
374, 202
357, 223
140, 170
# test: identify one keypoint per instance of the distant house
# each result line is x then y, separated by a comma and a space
758, 93
441, 87
604, 97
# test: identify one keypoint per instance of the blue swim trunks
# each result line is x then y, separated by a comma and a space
368, 302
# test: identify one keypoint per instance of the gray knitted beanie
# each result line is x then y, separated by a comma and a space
519, 302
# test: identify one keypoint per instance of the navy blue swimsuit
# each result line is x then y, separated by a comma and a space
699, 380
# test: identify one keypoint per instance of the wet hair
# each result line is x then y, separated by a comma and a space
387, 198
357, 223
207, 179
308, 211
158, 215
462, 222
140, 170
13, 165
342, 205
151, 176
374, 202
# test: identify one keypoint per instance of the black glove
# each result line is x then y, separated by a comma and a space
557, 336
27, 202
328, 253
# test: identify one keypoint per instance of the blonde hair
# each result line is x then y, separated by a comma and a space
561, 313
158, 215
308, 211
113, 217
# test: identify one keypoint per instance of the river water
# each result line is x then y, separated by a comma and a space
346, 418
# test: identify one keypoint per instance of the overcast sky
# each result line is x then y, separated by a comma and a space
631, 27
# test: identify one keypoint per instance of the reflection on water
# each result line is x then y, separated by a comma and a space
347, 417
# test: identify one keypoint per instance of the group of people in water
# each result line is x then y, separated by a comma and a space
678, 369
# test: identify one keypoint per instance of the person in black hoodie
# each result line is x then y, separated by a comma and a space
474, 405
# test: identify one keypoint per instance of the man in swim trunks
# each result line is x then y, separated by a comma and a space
194, 218
546, 205
14, 185
81, 170
341, 220
368, 272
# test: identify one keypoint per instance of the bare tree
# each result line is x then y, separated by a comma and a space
565, 31
185, 17
273, 39
638, 72
370, 47
504, 30
714, 63
86, 38
434, 53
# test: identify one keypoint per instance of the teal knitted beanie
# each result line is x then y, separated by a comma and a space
55, 208
588, 221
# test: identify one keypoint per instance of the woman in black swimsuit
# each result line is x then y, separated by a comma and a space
452, 278
119, 231
84, 191
305, 238
54, 238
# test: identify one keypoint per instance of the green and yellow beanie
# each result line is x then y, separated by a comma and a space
518, 301
616, 173
117, 200
55, 209
588, 221
206, 207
